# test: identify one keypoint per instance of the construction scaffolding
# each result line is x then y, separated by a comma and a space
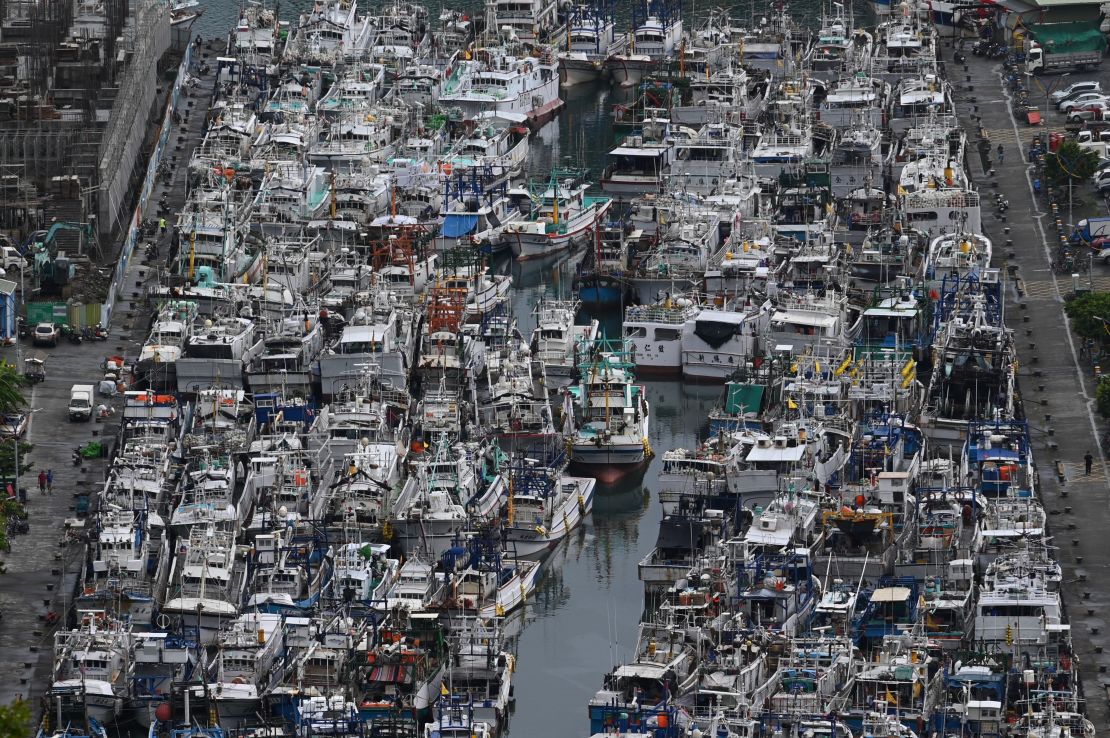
59, 63
147, 39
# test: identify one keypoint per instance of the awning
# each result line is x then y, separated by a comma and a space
458, 224
746, 398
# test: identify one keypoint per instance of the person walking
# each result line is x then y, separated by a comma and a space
161, 226
1088, 462
1001, 153
42, 482
50, 481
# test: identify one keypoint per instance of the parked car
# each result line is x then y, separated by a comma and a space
13, 425
1075, 88
1072, 103
45, 334
1094, 110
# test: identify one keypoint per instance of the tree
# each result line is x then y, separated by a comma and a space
1102, 396
15, 720
1071, 162
11, 388
1089, 315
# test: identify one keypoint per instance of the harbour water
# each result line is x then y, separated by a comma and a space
584, 618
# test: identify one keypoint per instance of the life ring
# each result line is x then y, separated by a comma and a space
163, 621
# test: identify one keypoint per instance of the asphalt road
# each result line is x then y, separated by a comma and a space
42, 567
1056, 386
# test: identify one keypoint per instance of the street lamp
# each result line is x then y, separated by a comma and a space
1052, 87
15, 448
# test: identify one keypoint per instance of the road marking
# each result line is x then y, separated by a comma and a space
1088, 399
31, 419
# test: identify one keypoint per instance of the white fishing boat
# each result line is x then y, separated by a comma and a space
558, 342
592, 38
206, 583
610, 431
544, 505
563, 218
92, 665
501, 80
656, 36
655, 332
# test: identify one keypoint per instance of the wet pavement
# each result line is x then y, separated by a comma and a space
1057, 387
43, 567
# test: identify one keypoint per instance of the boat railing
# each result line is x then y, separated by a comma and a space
674, 315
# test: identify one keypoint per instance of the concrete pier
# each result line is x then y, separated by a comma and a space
43, 567
1057, 388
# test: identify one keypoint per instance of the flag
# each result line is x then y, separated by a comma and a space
443, 690
791, 404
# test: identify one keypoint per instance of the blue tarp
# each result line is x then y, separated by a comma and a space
458, 224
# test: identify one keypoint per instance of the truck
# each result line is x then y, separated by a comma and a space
1061, 47
81, 401
1089, 139
1090, 230
11, 260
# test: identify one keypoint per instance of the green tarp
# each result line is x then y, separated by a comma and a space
1066, 38
747, 398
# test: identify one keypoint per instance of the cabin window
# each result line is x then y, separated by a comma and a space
635, 332
666, 334
1013, 611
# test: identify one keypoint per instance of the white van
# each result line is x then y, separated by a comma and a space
81, 402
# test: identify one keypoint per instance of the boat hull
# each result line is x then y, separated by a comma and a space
599, 292
608, 463
578, 72
532, 543
513, 593
529, 245
628, 71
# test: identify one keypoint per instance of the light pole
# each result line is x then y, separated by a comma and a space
1052, 87
15, 449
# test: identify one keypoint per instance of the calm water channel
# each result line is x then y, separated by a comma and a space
583, 619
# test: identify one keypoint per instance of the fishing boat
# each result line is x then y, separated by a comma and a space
92, 664
592, 38
655, 332
544, 504
504, 79
610, 425
656, 36
561, 217
558, 342
483, 582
